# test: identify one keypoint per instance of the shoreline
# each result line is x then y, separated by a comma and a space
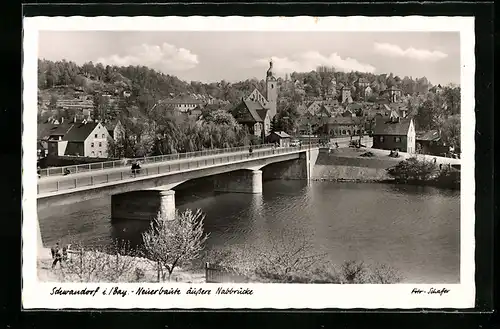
45, 273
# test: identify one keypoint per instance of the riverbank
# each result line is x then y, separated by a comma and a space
136, 269
350, 165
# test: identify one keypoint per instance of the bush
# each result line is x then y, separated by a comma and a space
105, 264
413, 170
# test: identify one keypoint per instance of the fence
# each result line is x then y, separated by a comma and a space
216, 274
68, 182
59, 171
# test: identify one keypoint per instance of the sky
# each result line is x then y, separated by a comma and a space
209, 56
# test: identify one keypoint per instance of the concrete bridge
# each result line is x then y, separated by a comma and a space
141, 196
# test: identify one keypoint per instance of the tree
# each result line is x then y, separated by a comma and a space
450, 131
326, 75
53, 102
173, 243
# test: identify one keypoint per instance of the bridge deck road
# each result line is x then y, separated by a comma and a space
48, 179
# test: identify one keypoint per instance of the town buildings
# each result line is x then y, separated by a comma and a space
183, 104
343, 126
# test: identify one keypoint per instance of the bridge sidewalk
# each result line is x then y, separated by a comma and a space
127, 169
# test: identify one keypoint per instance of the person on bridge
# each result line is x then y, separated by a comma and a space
56, 255
250, 150
135, 168
66, 172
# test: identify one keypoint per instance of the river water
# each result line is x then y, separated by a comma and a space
412, 228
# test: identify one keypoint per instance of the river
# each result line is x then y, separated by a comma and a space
412, 228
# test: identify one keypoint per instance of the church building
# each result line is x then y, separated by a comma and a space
256, 110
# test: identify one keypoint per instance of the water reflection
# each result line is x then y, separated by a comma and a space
393, 224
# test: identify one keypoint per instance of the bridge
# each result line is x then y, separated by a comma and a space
142, 195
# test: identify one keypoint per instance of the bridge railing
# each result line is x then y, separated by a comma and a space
58, 171
69, 182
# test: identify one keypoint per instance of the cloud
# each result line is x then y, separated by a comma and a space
308, 61
418, 54
164, 58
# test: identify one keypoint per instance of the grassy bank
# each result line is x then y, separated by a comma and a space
350, 165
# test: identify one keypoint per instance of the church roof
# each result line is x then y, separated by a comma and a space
250, 111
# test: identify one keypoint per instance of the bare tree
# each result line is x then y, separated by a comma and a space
172, 243
290, 255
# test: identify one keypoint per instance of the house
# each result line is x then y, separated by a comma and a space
256, 110
183, 104
393, 133
196, 112
343, 126
394, 94
87, 139
430, 143
368, 92
361, 85
48, 134
331, 90
314, 107
115, 129
345, 93
280, 137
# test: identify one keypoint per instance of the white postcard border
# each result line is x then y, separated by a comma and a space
37, 295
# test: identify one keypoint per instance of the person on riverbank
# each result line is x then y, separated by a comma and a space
56, 255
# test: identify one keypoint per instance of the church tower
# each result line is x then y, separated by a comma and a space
271, 91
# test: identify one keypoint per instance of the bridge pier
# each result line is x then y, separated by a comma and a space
143, 205
246, 181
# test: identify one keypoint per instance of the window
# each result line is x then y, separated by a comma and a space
100, 153
381, 139
95, 136
100, 144
102, 135
91, 144
93, 153
397, 139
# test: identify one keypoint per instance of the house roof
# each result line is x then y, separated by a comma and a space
344, 121
354, 106
362, 80
432, 135
281, 134
111, 124
80, 131
45, 130
384, 126
394, 88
